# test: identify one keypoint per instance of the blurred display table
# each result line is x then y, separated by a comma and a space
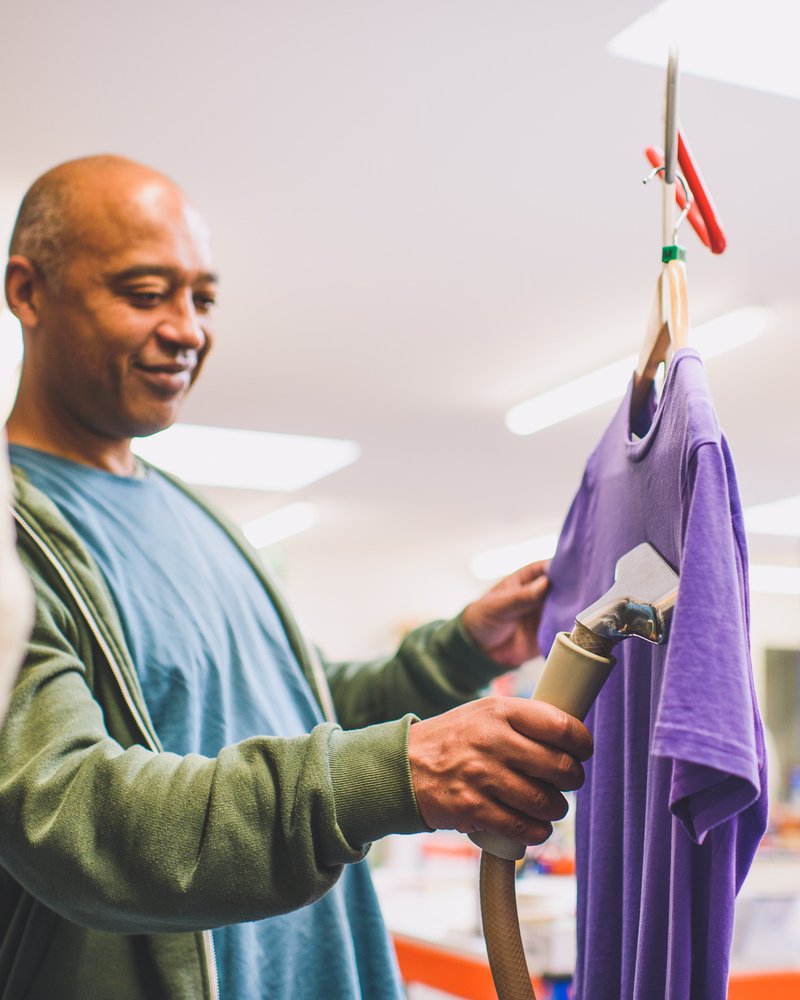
432, 910
467, 976
456, 973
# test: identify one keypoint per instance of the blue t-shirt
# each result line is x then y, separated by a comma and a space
216, 667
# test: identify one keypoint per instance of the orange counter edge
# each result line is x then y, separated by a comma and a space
469, 977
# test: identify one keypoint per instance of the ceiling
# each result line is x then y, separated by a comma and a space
423, 212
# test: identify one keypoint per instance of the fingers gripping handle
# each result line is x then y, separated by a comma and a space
571, 680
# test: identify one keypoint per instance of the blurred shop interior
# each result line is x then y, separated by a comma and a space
423, 215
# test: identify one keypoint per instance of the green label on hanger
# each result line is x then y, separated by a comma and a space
673, 252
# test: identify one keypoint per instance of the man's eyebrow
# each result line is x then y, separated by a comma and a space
158, 271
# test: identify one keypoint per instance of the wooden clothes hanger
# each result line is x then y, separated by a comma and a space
667, 329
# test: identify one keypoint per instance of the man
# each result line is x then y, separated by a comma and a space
171, 763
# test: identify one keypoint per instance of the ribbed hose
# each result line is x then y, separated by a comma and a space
501, 929
576, 669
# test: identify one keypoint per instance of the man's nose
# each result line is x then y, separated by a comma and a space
182, 326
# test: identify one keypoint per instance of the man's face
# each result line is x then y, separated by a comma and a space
124, 336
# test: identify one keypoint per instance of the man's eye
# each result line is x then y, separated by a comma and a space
204, 302
145, 300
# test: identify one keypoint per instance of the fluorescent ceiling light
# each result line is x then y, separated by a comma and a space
251, 460
735, 41
733, 329
10, 343
494, 563
780, 517
571, 398
605, 384
10, 361
280, 524
497, 563
775, 579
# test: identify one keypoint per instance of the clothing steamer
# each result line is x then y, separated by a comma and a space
640, 602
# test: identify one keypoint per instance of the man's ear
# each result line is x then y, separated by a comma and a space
23, 290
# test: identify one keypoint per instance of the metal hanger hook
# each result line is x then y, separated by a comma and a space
688, 194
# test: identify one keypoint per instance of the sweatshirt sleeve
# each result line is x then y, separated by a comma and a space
132, 839
436, 668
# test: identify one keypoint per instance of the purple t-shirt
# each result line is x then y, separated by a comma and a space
674, 803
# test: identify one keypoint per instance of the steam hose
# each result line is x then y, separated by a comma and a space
572, 678
501, 929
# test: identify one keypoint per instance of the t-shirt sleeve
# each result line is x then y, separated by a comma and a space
707, 722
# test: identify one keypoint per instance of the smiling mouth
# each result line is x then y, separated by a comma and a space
167, 379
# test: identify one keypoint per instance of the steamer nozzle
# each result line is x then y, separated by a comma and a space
639, 603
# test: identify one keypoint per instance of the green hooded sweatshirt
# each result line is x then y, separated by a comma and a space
116, 857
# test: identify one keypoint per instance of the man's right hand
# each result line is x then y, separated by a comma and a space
497, 764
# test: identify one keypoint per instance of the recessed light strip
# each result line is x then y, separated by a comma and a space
608, 383
10, 341
243, 459
495, 563
780, 517
732, 41
775, 580
279, 524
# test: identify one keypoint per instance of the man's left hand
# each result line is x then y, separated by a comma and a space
503, 623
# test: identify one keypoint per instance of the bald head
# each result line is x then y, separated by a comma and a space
61, 208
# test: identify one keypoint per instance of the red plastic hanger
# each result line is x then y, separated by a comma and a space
702, 212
